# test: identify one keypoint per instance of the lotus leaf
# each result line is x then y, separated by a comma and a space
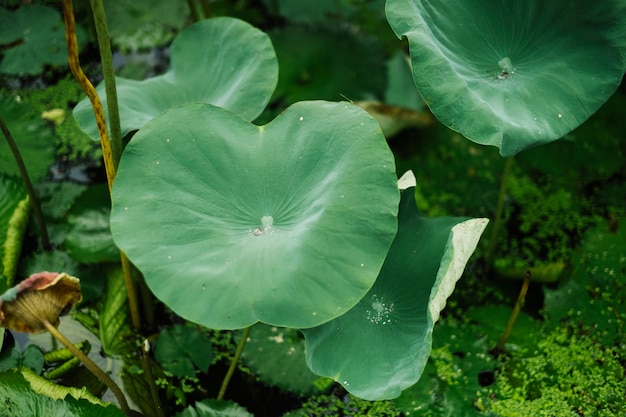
381, 346
221, 61
513, 74
233, 223
35, 36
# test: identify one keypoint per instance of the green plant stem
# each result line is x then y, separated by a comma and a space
45, 241
206, 9
518, 306
95, 369
497, 223
235, 361
145, 348
195, 15
106, 58
107, 151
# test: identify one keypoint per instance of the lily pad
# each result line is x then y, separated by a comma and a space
381, 346
36, 36
181, 349
231, 223
221, 61
276, 356
513, 74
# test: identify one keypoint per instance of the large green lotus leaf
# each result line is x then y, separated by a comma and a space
35, 36
381, 346
513, 74
33, 137
221, 61
232, 223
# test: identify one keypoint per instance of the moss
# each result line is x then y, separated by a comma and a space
544, 223
571, 374
348, 405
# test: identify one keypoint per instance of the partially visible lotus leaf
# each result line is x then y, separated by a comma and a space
35, 36
513, 74
141, 24
221, 61
381, 346
233, 223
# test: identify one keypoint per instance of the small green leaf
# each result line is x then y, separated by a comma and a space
276, 356
182, 349
115, 331
215, 408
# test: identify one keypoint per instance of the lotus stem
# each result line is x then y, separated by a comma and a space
110, 162
195, 16
45, 241
206, 8
95, 369
518, 306
77, 71
106, 58
497, 223
233, 364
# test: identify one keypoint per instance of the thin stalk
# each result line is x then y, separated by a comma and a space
497, 223
206, 8
106, 58
195, 15
95, 369
233, 364
110, 163
45, 241
518, 306
145, 348
77, 71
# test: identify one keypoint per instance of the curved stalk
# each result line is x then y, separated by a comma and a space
518, 306
95, 369
45, 241
233, 364
110, 163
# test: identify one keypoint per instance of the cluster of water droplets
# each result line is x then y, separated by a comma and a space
265, 228
380, 311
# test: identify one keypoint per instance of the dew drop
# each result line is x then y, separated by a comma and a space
560, 115
157, 162
301, 118
167, 140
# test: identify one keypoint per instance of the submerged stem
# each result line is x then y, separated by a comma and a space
95, 369
45, 241
235, 361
